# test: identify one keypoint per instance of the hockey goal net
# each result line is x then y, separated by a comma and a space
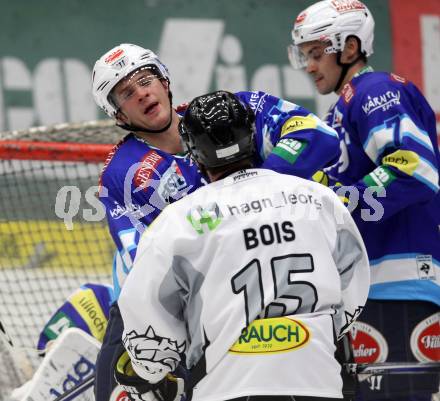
53, 237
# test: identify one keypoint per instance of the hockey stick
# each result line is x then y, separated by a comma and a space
4, 335
16, 367
364, 369
393, 368
19, 361
77, 389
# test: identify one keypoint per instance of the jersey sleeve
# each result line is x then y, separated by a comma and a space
399, 138
289, 138
351, 259
87, 308
127, 219
154, 335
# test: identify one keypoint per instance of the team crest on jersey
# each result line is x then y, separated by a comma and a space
369, 345
425, 339
158, 352
209, 217
273, 335
347, 92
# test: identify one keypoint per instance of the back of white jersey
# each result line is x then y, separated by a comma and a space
264, 269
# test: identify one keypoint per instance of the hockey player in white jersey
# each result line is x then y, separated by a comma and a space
251, 279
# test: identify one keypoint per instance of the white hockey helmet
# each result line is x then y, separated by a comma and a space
115, 65
332, 21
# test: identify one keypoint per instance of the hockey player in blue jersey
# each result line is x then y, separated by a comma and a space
148, 170
389, 159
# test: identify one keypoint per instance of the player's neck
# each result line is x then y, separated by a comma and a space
168, 141
351, 73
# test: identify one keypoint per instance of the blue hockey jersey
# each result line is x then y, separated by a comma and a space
138, 180
390, 158
87, 308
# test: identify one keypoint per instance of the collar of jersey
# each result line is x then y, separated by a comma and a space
364, 70
246, 174
140, 139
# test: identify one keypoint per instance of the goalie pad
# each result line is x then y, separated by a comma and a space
69, 362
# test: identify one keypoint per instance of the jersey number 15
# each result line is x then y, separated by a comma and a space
290, 296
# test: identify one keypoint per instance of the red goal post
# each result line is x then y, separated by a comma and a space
53, 151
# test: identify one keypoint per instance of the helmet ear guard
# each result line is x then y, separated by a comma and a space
217, 129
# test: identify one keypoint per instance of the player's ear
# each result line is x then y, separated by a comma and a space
165, 84
121, 118
351, 50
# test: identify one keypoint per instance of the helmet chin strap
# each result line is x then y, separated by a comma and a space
345, 67
135, 128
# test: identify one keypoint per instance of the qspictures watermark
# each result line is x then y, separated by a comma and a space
68, 201
70, 198
156, 193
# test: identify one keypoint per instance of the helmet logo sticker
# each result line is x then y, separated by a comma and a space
300, 18
114, 56
347, 5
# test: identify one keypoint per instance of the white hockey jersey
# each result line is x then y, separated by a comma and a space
252, 277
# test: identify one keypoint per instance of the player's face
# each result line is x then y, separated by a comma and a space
143, 100
321, 66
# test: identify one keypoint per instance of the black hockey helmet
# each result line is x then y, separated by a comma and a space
218, 129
